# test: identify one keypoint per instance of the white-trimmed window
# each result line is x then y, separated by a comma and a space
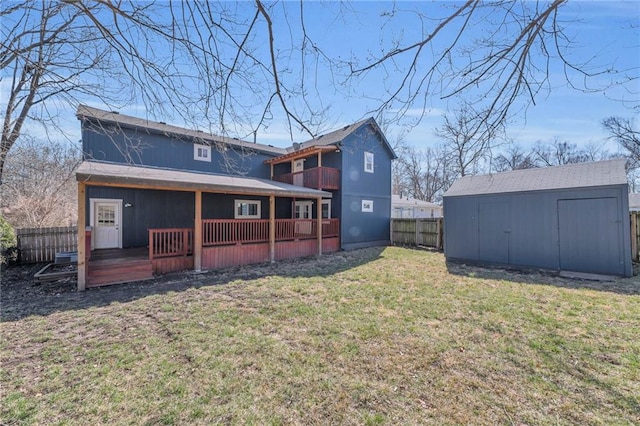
367, 206
326, 209
201, 152
368, 162
247, 209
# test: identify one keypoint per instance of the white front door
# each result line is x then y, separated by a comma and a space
106, 219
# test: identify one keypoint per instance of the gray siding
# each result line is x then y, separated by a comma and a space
143, 148
585, 230
357, 228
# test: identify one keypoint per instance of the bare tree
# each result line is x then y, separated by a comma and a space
231, 67
624, 132
468, 139
558, 153
194, 61
40, 189
424, 174
499, 72
513, 158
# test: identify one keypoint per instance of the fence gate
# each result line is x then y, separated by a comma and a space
37, 245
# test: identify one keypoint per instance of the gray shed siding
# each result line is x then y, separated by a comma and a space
140, 147
358, 228
583, 230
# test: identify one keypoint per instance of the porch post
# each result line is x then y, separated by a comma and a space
197, 234
319, 224
272, 228
82, 245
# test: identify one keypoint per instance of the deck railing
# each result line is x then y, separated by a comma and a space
170, 242
299, 229
316, 177
216, 232
234, 231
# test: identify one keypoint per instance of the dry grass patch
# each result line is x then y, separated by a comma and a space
372, 336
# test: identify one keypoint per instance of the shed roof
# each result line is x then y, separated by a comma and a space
127, 121
147, 177
581, 175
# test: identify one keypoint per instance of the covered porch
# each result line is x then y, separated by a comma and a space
207, 243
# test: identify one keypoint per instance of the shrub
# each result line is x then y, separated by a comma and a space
8, 248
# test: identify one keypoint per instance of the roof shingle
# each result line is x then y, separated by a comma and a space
581, 175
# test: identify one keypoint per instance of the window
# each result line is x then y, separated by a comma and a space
201, 152
326, 209
368, 162
367, 206
247, 209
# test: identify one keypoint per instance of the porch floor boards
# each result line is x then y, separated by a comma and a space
116, 266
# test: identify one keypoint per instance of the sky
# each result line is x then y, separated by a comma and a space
603, 34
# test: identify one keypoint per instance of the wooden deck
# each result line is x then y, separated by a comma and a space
116, 266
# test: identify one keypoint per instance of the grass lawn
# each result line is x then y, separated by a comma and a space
374, 336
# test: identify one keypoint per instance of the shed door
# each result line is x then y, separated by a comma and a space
590, 232
493, 232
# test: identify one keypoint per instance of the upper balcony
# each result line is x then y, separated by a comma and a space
316, 178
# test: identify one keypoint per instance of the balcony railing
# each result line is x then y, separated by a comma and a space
316, 178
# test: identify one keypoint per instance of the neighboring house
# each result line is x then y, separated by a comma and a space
160, 198
634, 202
566, 218
404, 207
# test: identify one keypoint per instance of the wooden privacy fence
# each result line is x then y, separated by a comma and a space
635, 236
37, 245
419, 232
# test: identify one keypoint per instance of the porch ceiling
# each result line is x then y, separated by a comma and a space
123, 175
302, 153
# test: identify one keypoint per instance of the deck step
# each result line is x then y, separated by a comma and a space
105, 273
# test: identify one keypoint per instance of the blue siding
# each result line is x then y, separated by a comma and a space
143, 148
149, 209
358, 228
529, 227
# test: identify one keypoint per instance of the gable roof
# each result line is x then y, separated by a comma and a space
581, 175
397, 201
339, 135
86, 112
126, 175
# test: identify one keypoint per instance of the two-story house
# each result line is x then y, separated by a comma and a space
157, 198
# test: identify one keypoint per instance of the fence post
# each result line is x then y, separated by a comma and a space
439, 234
634, 235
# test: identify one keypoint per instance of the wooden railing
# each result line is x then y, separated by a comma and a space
317, 178
299, 229
170, 242
215, 232
234, 231
330, 227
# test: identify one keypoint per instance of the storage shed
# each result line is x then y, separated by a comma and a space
566, 218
